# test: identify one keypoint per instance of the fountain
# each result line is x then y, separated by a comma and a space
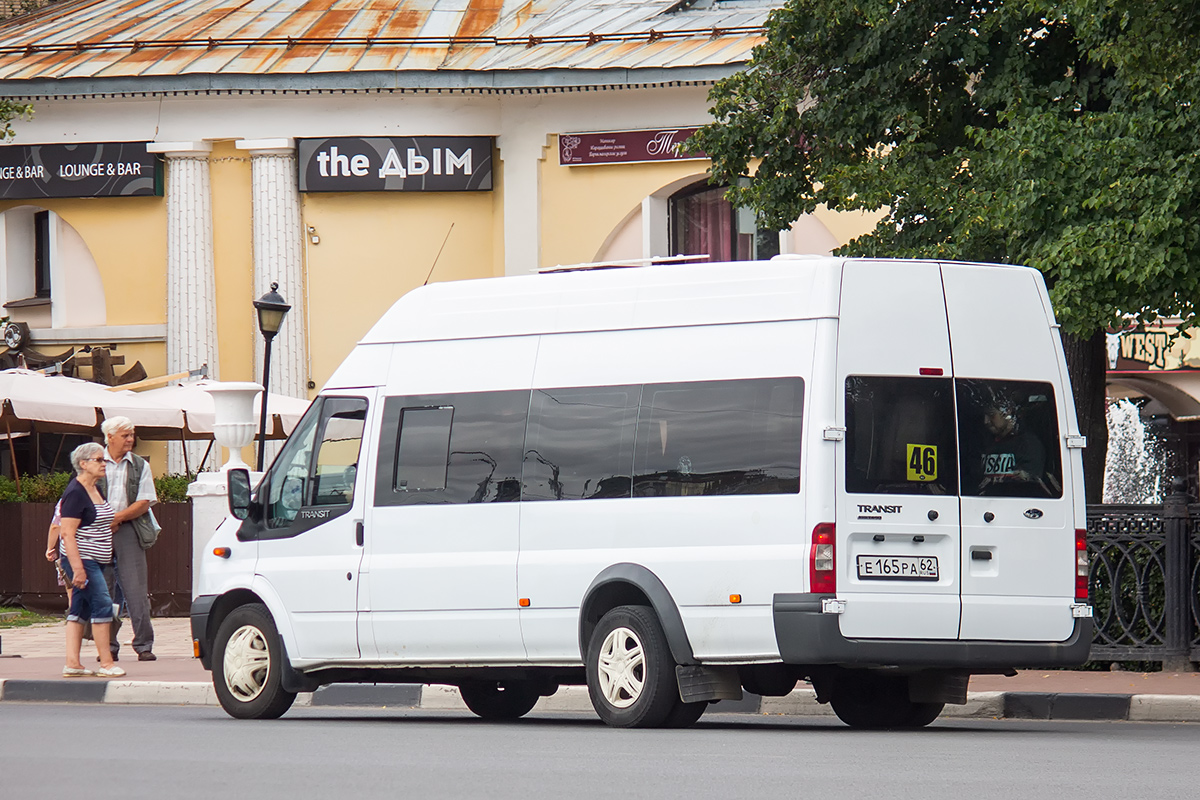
1136, 467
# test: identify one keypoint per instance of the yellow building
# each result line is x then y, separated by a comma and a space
183, 159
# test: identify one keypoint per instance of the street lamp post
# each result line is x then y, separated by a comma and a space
271, 308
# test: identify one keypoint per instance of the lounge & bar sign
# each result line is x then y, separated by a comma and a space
104, 169
396, 164
625, 147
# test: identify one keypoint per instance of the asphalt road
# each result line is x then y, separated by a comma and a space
106, 751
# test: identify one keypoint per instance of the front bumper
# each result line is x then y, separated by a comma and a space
201, 610
807, 636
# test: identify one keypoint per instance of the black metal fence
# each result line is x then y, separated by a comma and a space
1145, 581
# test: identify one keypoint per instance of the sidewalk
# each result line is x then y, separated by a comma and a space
31, 661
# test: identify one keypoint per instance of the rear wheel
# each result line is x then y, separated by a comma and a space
867, 700
922, 714
499, 699
630, 670
248, 665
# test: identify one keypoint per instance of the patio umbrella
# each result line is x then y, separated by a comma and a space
33, 401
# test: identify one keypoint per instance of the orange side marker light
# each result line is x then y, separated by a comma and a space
523, 602
735, 598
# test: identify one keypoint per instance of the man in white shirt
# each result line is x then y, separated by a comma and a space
127, 474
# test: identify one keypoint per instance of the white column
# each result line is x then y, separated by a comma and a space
191, 286
522, 150
279, 257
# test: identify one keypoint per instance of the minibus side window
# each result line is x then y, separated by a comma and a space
451, 448
423, 452
287, 482
1008, 433
719, 438
320, 475
579, 443
900, 436
336, 463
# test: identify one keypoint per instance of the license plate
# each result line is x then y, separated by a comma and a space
898, 568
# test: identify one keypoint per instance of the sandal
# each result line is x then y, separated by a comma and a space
110, 672
77, 672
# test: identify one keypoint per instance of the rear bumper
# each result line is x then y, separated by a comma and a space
806, 636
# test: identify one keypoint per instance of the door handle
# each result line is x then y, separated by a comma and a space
358, 533
981, 555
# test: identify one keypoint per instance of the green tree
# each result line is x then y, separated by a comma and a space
9, 110
1061, 135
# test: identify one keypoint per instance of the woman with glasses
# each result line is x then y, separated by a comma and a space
85, 546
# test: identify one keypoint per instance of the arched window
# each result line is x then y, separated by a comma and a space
702, 221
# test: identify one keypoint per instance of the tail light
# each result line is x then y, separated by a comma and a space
822, 578
1081, 566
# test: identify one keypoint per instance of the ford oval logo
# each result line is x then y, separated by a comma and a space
1033, 513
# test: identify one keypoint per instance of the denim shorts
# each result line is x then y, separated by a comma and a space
92, 602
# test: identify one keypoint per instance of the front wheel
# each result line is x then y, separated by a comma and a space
630, 670
499, 699
248, 665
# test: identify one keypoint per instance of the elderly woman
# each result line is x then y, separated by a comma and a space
86, 545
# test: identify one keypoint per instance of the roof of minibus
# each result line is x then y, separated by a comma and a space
660, 296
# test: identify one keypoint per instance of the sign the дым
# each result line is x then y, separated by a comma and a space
396, 164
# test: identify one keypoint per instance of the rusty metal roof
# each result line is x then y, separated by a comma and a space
139, 41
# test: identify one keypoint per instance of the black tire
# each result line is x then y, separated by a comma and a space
866, 700
636, 688
248, 665
499, 699
685, 715
922, 714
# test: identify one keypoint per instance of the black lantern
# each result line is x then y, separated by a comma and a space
271, 308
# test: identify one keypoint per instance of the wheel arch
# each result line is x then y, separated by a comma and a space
633, 584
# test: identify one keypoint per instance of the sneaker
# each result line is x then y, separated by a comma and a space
110, 672
77, 672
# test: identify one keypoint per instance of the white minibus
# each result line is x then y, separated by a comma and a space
669, 484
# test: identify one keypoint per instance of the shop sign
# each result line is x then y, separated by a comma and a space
625, 147
396, 164
106, 169
1153, 349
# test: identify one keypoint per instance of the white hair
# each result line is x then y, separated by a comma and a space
114, 424
84, 451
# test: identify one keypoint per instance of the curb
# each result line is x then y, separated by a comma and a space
800, 703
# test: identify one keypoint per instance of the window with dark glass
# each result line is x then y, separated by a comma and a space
719, 438
579, 444
423, 454
900, 436
446, 449
1008, 434
41, 254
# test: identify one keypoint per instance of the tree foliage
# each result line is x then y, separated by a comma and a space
1061, 135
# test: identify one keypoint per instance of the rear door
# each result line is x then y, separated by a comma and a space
898, 541
1017, 520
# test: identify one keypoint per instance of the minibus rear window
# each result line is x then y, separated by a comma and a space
900, 436
1008, 432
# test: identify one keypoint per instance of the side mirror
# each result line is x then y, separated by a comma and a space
238, 481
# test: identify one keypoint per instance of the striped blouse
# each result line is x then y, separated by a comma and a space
94, 538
